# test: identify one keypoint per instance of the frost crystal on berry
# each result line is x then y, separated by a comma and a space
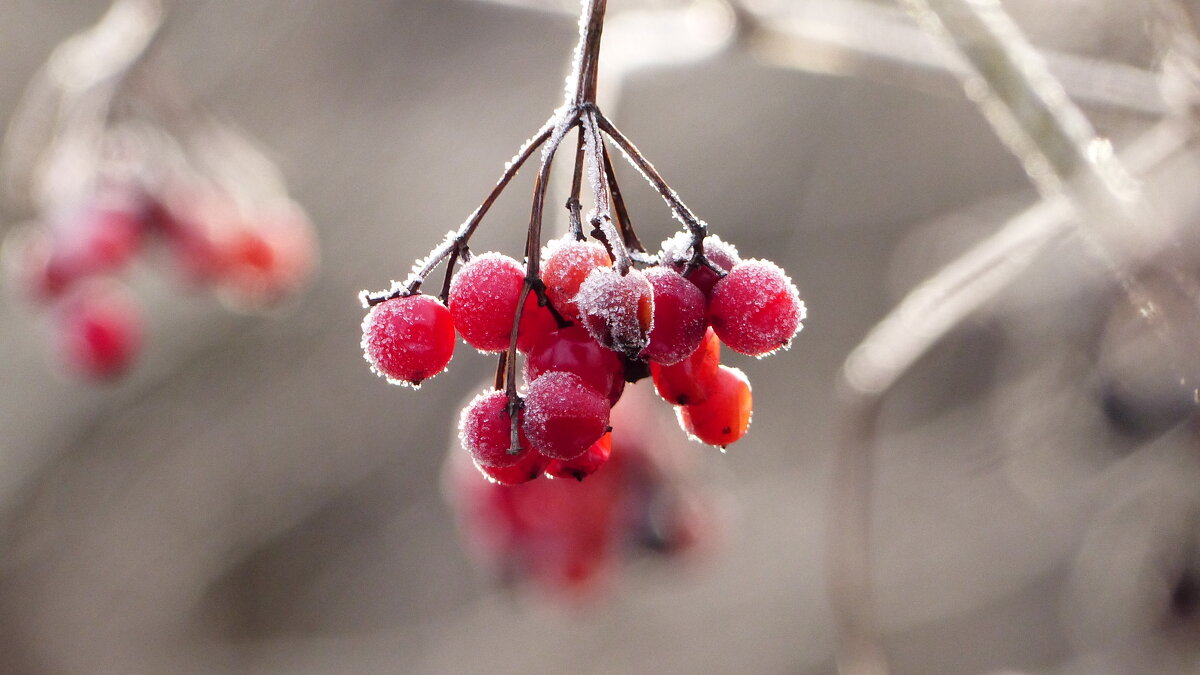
483, 300
564, 415
485, 431
408, 340
617, 310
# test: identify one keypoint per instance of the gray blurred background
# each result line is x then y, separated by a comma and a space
253, 500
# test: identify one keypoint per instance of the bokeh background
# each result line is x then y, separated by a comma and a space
253, 500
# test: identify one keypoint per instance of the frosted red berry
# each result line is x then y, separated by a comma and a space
485, 431
573, 350
584, 465
756, 308
679, 320
99, 331
564, 415
483, 300
617, 310
724, 416
409, 339
566, 263
528, 467
690, 380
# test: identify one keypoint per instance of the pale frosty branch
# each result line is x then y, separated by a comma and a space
1077, 175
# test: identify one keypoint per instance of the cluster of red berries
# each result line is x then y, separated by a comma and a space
589, 332
588, 314
118, 160
72, 262
569, 538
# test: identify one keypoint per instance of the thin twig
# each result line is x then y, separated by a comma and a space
455, 243
620, 211
601, 216
566, 120
696, 227
574, 207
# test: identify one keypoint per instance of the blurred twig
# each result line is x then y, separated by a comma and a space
1077, 176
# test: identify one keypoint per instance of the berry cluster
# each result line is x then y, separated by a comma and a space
569, 539
122, 167
590, 311
596, 331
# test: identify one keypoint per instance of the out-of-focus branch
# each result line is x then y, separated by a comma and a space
1080, 180
858, 38
91, 65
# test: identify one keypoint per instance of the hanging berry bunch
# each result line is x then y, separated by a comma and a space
589, 312
569, 538
109, 155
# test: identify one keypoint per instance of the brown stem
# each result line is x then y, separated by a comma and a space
601, 220
533, 249
501, 367
643, 165
620, 212
585, 91
573, 206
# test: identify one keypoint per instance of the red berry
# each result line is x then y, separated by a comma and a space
677, 252
724, 416
564, 415
409, 339
689, 381
584, 465
756, 308
565, 265
528, 467
97, 239
573, 350
483, 300
679, 320
485, 431
617, 310
259, 263
99, 330
195, 224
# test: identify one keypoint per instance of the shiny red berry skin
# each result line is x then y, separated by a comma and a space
679, 320
536, 321
756, 308
99, 330
566, 263
689, 381
617, 310
531, 465
677, 252
408, 340
483, 300
564, 415
584, 465
485, 431
573, 350
724, 416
